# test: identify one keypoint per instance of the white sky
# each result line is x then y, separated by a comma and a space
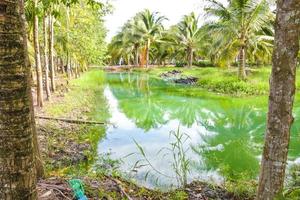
172, 9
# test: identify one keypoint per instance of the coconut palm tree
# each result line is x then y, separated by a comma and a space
131, 37
17, 165
188, 35
236, 25
149, 27
122, 46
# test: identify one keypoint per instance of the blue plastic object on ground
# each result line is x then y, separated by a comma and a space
77, 187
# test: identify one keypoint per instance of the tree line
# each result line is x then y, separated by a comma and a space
237, 33
64, 36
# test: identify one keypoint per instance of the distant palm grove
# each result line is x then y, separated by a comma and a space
240, 33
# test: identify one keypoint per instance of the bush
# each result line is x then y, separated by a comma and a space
242, 189
232, 86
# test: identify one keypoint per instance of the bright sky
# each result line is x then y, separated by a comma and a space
172, 9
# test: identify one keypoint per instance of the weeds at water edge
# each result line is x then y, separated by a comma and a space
180, 164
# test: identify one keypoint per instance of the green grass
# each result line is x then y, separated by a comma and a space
84, 98
225, 81
85, 101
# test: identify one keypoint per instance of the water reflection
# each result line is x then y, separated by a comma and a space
239, 131
226, 133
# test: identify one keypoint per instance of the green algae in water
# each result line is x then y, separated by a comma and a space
226, 133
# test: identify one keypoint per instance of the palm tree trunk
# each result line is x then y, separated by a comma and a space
17, 160
148, 52
242, 64
51, 51
39, 162
37, 54
281, 99
190, 57
136, 56
46, 60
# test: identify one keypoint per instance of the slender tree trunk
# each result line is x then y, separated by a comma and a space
190, 57
69, 67
62, 65
76, 70
136, 56
51, 51
148, 52
17, 160
56, 65
242, 63
282, 91
46, 60
39, 76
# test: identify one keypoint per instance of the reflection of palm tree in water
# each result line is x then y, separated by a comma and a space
143, 84
187, 111
238, 135
138, 102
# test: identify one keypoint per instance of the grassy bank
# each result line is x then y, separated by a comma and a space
224, 81
70, 150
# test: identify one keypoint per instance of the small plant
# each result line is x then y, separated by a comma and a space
179, 195
292, 189
181, 164
242, 189
106, 165
177, 150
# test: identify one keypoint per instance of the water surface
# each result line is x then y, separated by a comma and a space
226, 133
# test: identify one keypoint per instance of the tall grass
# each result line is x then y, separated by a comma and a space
179, 163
